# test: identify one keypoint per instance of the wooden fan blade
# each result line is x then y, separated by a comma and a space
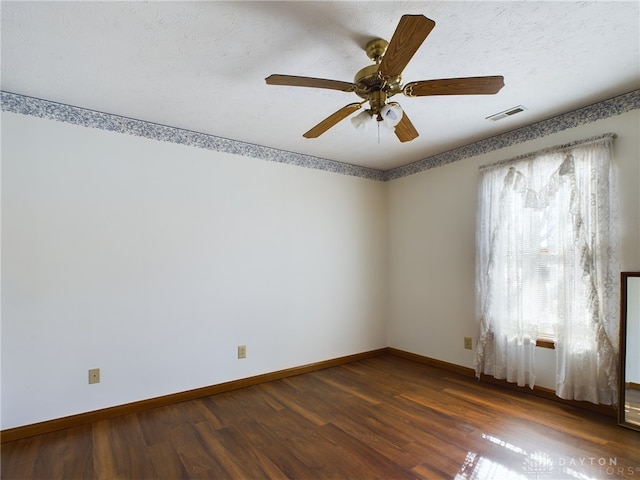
455, 86
405, 131
409, 35
331, 120
293, 81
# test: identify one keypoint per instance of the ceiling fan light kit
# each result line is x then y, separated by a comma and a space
391, 114
376, 83
361, 120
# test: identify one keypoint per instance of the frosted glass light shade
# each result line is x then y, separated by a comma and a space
391, 115
361, 120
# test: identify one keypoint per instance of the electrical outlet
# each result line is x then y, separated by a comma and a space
94, 375
242, 351
468, 343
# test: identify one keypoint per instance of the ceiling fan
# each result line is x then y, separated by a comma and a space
379, 82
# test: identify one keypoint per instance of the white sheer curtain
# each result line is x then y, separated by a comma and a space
546, 267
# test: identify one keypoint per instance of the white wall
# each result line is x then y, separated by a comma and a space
432, 251
154, 261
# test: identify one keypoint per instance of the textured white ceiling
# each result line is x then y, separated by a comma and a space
201, 65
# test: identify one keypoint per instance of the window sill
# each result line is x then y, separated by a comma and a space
546, 342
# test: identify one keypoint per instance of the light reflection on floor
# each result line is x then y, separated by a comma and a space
521, 465
477, 467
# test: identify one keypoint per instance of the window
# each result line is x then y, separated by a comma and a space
546, 268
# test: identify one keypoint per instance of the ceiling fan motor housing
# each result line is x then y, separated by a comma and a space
368, 79
370, 84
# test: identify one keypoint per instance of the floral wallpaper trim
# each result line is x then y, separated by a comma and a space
36, 107
605, 109
22, 104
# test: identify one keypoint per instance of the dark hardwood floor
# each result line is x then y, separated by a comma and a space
380, 418
632, 405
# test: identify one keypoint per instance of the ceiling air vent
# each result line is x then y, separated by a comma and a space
506, 113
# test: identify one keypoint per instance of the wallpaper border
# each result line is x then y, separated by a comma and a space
598, 111
16, 103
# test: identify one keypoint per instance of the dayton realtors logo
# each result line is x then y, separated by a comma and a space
541, 465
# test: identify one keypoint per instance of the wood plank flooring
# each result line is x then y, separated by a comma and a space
380, 418
632, 405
